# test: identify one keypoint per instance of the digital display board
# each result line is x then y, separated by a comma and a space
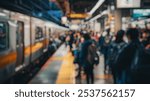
141, 13
128, 3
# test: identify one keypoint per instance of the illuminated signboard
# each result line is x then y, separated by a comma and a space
141, 13
128, 3
78, 16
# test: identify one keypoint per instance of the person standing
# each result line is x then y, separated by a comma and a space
88, 51
71, 40
125, 58
115, 47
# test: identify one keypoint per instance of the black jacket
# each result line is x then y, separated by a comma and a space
84, 52
126, 56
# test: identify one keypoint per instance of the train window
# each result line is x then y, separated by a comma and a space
38, 33
3, 36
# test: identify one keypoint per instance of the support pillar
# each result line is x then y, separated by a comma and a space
118, 20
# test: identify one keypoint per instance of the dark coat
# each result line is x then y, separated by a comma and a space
84, 53
125, 59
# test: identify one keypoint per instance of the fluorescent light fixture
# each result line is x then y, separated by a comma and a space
2, 14
98, 16
98, 4
6, 11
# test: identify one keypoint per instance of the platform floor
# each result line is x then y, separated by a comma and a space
59, 69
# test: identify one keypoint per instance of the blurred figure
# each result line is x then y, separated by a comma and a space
71, 40
148, 45
101, 43
88, 52
115, 47
97, 36
78, 42
145, 35
67, 40
104, 42
79, 63
92, 34
124, 60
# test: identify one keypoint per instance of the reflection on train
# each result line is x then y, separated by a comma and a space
24, 40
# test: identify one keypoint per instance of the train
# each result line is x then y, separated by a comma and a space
24, 40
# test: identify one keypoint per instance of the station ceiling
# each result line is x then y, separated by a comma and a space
52, 10
82, 6
45, 9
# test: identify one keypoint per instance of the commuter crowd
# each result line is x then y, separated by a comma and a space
126, 54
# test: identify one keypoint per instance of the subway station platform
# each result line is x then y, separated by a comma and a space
59, 69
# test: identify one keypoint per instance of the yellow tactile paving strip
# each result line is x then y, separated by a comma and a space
57, 58
66, 74
104, 76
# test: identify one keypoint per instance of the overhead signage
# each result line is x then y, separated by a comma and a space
128, 3
141, 13
77, 16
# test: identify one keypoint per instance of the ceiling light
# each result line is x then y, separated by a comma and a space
2, 14
98, 4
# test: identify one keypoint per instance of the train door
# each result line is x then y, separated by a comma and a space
20, 43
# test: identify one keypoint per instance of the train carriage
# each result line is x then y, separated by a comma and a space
24, 41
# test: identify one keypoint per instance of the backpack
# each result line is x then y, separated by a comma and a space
140, 66
92, 55
114, 51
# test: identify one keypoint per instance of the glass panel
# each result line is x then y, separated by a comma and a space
38, 33
3, 37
